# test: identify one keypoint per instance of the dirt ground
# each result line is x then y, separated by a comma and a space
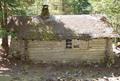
20, 71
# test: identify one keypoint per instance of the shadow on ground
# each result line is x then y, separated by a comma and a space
19, 71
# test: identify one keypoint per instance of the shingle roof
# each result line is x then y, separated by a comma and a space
69, 25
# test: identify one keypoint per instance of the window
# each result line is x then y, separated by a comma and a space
76, 43
55, 7
68, 43
84, 44
81, 44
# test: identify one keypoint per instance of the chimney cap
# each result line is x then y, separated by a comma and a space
45, 6
45, 2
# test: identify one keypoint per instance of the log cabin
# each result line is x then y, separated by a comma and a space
61, 38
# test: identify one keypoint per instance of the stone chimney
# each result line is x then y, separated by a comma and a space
45, 10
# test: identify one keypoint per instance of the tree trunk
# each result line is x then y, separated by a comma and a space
109, 59
63, 7
4, 44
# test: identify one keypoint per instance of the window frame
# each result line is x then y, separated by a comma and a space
78, 43
69, 44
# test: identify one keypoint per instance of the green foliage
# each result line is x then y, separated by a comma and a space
81, 7
3, 33
7, 7
19, 7
77, 6
19, 12
34, 8
48, 36
1, 15
109, 7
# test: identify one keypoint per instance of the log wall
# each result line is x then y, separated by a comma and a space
56, 51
